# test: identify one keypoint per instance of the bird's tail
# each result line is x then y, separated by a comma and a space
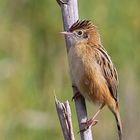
119, 124
118, 121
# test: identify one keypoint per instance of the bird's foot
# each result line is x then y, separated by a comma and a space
62, 2
89, 123
77, 93
76, 96
92, 121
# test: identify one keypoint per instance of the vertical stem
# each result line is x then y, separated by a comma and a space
69, 9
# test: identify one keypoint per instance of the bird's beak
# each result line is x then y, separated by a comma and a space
66, 33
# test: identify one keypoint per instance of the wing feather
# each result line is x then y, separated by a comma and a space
108, 70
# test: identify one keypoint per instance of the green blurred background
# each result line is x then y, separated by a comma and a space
33, 67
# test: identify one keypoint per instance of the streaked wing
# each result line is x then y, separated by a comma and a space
108, 71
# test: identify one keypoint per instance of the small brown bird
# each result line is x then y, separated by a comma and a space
92, 70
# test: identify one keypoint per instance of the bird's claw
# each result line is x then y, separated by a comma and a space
62, 2
88, 124
77, 93
76, 96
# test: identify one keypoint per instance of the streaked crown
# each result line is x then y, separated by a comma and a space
83, 24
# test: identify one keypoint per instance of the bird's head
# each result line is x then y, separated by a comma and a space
83, 32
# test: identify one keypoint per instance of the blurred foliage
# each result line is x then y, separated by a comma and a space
33, 67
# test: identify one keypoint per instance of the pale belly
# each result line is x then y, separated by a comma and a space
87, 76
76, 67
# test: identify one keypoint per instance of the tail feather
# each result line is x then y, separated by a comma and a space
118, 120
119, 124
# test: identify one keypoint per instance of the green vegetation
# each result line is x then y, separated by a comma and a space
33, 67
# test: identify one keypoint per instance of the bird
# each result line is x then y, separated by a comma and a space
92, 70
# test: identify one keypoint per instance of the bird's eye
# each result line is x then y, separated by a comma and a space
80, 33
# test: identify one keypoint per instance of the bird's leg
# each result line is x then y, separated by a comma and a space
77, 93
92, 121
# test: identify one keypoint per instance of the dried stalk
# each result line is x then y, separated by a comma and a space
64, 113
69, 9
